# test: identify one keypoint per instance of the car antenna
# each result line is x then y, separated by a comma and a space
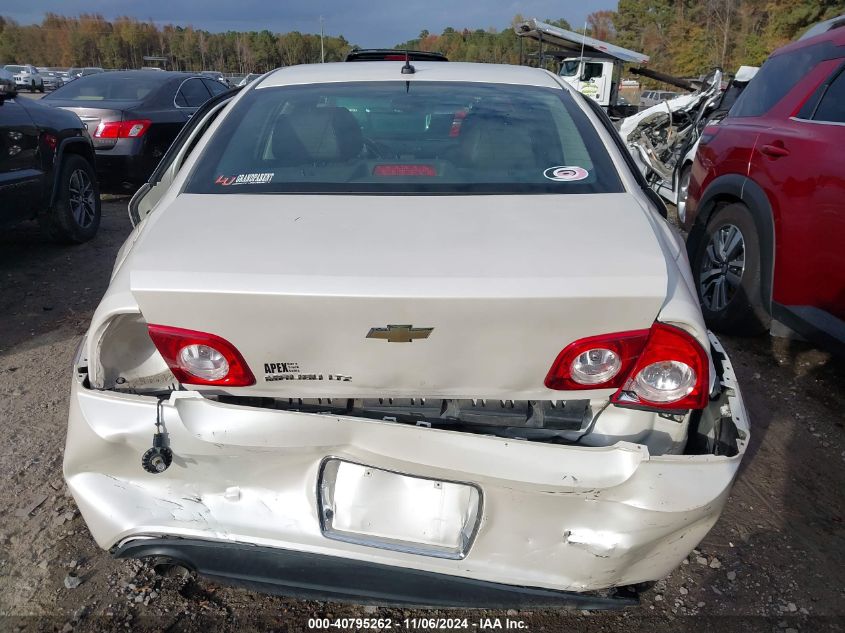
407, 69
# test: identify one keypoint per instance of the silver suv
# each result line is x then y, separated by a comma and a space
26, 76
653, 97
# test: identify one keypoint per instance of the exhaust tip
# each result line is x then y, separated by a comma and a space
167, 567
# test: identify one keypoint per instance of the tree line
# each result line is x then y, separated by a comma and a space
683, 37
91, 40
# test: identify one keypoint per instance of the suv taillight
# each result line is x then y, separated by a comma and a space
661, 368
197, 358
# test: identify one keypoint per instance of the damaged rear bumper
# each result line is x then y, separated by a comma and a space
317, 576
245, 480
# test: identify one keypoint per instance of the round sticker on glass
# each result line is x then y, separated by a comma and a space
565, 173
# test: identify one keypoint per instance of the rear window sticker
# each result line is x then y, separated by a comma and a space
565, 173
245, 179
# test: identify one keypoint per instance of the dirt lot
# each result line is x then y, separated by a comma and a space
774, 562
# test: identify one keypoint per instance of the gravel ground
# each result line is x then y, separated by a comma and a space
774, 562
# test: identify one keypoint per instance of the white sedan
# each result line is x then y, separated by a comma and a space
405, 334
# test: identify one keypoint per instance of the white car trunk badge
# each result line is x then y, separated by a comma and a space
399, 333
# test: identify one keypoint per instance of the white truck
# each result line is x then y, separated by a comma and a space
591, 66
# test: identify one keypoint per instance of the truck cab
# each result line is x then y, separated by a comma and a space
593, 77
591, 66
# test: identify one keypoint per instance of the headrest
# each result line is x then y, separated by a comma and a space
491, 141
314, 135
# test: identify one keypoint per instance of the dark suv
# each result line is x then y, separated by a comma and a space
47, 170
766, 205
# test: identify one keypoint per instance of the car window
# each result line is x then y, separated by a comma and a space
107, 87
592, 70
214, 87
778, 75
379, 137
15, 69
192, 94
831, 107
569, 68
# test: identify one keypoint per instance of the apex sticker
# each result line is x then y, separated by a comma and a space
278, 371
564, 173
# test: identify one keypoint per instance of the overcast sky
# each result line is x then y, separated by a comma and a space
369, 23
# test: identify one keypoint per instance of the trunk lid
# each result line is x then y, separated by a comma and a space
93, 113
297, 283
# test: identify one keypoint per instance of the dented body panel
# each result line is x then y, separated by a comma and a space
560, 517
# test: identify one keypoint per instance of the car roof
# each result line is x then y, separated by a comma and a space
829, 31
823, 27
161, 75
424, 71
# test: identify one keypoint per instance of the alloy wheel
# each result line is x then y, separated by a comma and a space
81, 198
721, 268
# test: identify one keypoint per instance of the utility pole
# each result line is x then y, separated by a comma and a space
322, 49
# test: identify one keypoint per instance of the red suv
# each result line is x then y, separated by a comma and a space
766, 205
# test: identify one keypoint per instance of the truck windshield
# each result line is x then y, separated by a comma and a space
405, 137
569, 67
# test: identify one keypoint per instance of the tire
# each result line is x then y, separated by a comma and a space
75, 215
32, 86
727, 273
41, 88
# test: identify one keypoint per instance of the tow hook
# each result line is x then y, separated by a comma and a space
158, 458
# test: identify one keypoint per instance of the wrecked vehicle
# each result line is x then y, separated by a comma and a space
663, 139
404, 333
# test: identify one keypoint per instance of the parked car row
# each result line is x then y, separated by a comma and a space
47, 170
102, 132
132, 117
26, 77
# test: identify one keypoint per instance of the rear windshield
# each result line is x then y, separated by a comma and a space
107, 87
778, 75
415, 137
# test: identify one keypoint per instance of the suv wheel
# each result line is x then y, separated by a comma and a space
41, 87
75, 215
726, 268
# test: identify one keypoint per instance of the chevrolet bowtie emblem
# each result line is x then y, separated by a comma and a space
399, 333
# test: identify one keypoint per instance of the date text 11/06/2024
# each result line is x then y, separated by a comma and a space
384, 624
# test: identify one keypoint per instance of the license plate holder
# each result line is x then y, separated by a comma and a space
390, 510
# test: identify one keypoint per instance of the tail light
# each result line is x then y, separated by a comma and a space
661, 368
197, 358
122, 129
